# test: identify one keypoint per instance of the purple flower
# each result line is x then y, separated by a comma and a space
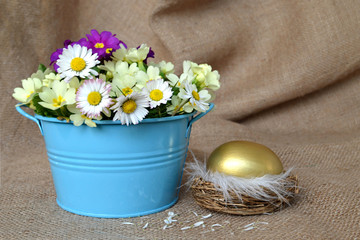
55, 55
104, 43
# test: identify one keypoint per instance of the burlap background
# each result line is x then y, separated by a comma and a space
290, 80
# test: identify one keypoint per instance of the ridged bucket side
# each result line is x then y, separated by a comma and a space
115, 170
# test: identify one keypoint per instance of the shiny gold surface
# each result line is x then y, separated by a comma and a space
244, 159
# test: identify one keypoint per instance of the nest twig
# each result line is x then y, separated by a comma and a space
208, 197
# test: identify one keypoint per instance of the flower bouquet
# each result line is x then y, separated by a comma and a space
101, 78
130, 163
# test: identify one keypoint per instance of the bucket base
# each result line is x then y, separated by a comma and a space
118, 215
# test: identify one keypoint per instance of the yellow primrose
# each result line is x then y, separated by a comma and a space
74, 83
165, 67
57, 96
204, 76
50, 78
131, 55
137, 55
175, 105
30, 87
152, 73
175, 81
40, 74
78, 118
126, 79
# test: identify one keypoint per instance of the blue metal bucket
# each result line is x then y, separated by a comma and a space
115, 171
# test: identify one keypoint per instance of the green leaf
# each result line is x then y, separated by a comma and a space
96, 68
159, 111
176, 91
42, 67
40, 110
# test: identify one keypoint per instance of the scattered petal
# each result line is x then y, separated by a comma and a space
249, 225
146, 225
164, 227
249, 228
207, 216
127, 223
184, 228
262, 222
198, 223
216, 225
195, 213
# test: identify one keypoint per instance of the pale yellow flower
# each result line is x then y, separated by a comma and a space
50, 78
131, 55
203, 74
165, 67
57, 96
78, 118
27, 92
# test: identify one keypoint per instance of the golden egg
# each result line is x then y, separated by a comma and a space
244, 159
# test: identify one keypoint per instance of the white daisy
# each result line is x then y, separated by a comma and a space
77, 61
131, 109
157, 92
198, 100
92, 97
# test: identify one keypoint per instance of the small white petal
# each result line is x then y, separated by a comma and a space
249, 225
184, 228
216, 225
249, 228
198, 223
127, 223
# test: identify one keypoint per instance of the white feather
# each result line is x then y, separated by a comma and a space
254, 187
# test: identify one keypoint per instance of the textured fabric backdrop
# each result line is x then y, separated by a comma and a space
290, 74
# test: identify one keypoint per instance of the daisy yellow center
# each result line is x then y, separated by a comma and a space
78, 64
99, 45
156, 95
108, 50
126, 91
196, 95
57, 101
94, 98
129, 106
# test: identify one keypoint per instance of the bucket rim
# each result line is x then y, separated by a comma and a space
111, 122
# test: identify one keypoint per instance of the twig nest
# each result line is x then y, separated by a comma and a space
242, 178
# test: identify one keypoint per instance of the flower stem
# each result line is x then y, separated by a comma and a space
176, 110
